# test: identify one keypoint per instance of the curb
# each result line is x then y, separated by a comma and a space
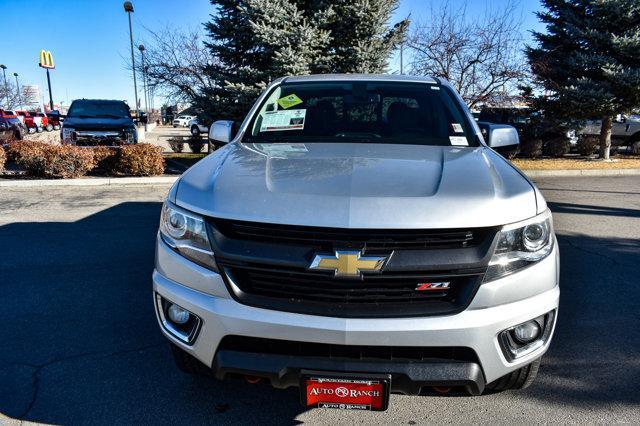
123, 181
581, 172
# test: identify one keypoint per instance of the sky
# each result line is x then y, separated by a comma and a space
89, 39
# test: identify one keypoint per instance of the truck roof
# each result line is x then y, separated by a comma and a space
361, 77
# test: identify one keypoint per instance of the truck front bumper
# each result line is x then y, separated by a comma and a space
496, 307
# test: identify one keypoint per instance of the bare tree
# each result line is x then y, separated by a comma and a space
175, 62
8, 91
481, 56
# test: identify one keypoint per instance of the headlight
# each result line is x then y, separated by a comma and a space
520, 245
68, 134
130, 136
186, 233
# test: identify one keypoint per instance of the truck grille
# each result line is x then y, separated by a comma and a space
365, 239
383, 295
99, 137
267, 266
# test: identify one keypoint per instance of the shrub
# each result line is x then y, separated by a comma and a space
557, 147
531, 147
106, 159
588, 145
61, 161
196, 144
3, 158
176, 144
140, 160
18, 149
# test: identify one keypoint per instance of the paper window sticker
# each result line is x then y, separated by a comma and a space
292, 119
458, 140
457, 127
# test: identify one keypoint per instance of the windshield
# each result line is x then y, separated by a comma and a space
114, 109
367, 112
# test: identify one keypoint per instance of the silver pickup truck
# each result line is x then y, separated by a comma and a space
356, 236
625, 131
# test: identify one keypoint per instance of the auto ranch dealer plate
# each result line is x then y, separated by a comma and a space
345, 391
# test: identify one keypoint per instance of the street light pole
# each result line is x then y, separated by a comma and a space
6, 86
144, 85
128, 7
15, 74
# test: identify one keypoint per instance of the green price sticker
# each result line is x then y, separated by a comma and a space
289, 101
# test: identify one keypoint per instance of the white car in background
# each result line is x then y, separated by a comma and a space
196, 128
183, 120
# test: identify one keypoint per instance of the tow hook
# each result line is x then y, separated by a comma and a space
252, 379
442, 390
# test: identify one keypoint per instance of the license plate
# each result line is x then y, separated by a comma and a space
346, 391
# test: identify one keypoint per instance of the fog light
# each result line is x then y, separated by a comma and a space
526, 338
527, 332
177, 314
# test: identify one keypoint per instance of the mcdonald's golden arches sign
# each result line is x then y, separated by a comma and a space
46, 60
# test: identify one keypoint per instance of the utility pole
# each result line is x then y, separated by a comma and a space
15, 74
6, 86
144, 85
128, 7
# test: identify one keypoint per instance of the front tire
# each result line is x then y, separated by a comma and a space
195, 131
39, 129
519, 379
49, 127
187, 363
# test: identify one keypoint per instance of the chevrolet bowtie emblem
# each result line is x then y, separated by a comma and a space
348, 263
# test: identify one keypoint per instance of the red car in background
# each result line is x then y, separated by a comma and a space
54, 119
29, 121
42, 120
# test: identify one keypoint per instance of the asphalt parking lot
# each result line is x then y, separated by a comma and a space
80, 342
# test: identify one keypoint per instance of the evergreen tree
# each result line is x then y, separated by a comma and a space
256, 41
588, 61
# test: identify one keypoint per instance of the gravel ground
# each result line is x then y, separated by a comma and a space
52, 137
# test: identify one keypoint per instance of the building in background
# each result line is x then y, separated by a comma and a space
31, 97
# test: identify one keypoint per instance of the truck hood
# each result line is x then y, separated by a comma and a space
358, 186
98, 123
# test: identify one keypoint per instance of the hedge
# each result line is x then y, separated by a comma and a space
588, 145
68, 161
196, 144
3, 158
58, 161
140, 160
106, 159
15, 150
176, 144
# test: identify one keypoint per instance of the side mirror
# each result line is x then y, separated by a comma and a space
501, 137
221, 132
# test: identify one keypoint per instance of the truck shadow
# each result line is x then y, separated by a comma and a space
81, 343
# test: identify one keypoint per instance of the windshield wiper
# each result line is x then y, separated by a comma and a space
109, 115
276, 139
